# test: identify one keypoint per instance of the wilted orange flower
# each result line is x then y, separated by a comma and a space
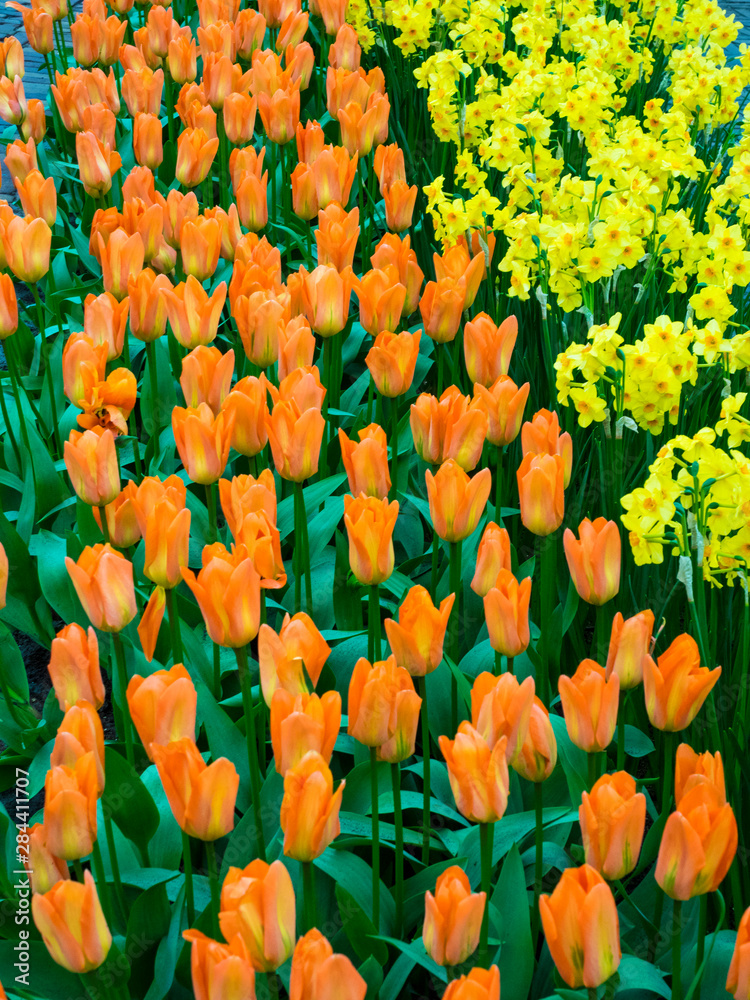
74, 667
501, 707
319, 974
257, 903
310, 808
392, 360
452, 918
478, 776
70, 920
448, 428
201, 796
456, 501
541, 436
535, 760
163, 706
417, 638
366, 463
284, 659
506, 608
107, 405
369, 525
589, 704
541, 492
693, 768
503, 403
676, 686
103, 580
613, 818
70, 794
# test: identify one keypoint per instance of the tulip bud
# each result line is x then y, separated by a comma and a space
541, 493
103, 580
456, 501
628, 648
282, 657
163, 706
594, 561
318, 974
506, 608
369, 525
310, 808
535, 760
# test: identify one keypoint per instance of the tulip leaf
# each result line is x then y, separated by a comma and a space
416, 951
396, 979
126, 798
148, 922
355, 875
372, 972
571, 607
637, 743
46, 978
641, 976
168, 952
516, 949
359, 929
50, 550
573, 760
25, 608
314, 495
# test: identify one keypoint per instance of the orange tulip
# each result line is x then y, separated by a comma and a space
220, 970
282, 657
337, 236
594, 561
296, 346
318, 974
20, 159
366, 463
178, 209
201, 796
401, 744
97, 162
195, 154
252, 200
103, 580
488, 348
39, 28
381, 300
121, 258
452, 918
246, 406
311, 141
152, 490
38, 196
698, 844
738, 976
239, 117
493, 555
362, 127
259, 317
70, 794
326, 294
541, 493
257, 903
295, 436
207, 377
392, 360
202, 440
506, 608
35, 124
346, 52
142, 90
457, 265
150, 623
589, 704
262, 541
501, 707
230, 229
122, 521
399, 211
536, 759
304, 192
26, 243
70, 920
200, 242
456, 501
503, 403
440, 306
42, 867
374, 691
279, 113
227, 589
99, 120
8, 307
676, 686
163, 706
417, 638
478, 776
80, 733
13, 105
91, 462
303, 722
613, 818
448, 428
581, 926
74, 667
147, 305
628, 647
541, 436
693, 769
396, 251
104, 321
193, 313
310, 808
147, 140
479, 984
293, 30
369, 525
246, 495
166, 532
333, 171
182, 54
83, 362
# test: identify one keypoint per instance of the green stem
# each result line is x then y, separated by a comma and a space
217, 671
538, 856
592, 764
189, 890
394, 448
213, 531
323, 464
122, 677
422, 685
499, 484
154, 385
308, 884
170, 103
101, 884
11, 435
14, 385
455, 620
213, 880
105, 525
547, 547
174, 625
599, 652
373, 624
48, 372
486, 831
398, 820
440, 353
113, 861
252, 744
434, 573
298, 555
621, 732
78, 869
667, 771
375, 839
676, 951
701, 943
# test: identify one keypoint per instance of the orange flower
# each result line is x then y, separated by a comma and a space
613, 818
42, 867
326, 294
239, 117
581, 926
162, 706
97, 162
336, 236
83, 362
201, 796
166, 533
12, 100
493, 555
310, 808
282, 657
70, 919
399, 208
301, 723
259, 317
503, 403
247, 495
361, 128
26, 243
334, 172
262, 540
295, 436
366, 463
279, 113
74, 667
501, 707
150, 623
70, 795
693, 769
121, 258
8, 307
178, 209
20, 159
122, 521
182, 56
369, 525
220, 970
227, 589
457, 264
698, 844
628, 647
401, 744
396, 251
104, 321
448, 428
304, 192
594, 561
147, 140
202, 440
676, 686
293, 30
392, 360
195, 154
296, 346
251, 193
39, 29
152, 490
440, 306
478, 776
142, 90
541, 492
589, 704
506, 608
536, 759
193, 313
738, 977
207, 377
38, 196
91, 461
257, 903
346, 52
456, 501
541, 436
417, 638
103, 580
311, 141
381, 299
319, 974
200, 242
488, 348
452, 918
374, 691
79, 733
147, 305
479, 984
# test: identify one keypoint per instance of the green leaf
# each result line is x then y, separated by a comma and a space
416, 952
148, 923
397, 977
51, 550
573, 760
46, 978
571, 607
359, 928
637, 974
355, 875
637, 743
129, 803
168, 952
372, 974
313, 495
516, 950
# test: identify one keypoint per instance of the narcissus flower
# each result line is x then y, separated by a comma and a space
369, 525
541, 493
488, 348
452, 918
303, 722
501, 707
91, 461
676, 686
613, 817
629, 646
698, 844
693, 769
479, 984
478, 776
70, 794
163, 706
70, 919
391, 361
201, 796
589, 704
310, 808
319, 974
594, 560
282, 657
506, 608
103, 580
581, 926
417, 638
456, 501
366, 463
535, 760
257, 902
228, 593
74, 667
217, 969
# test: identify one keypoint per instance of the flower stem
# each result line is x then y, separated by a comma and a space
154, 386
308, 883
455, 620
538, 855
252, 744
101, 883
189, 891
114, 863
422, 684
48, 372
592, 763
11, 435
701, 942
213, 879
122, 677
486, 832
375, 839
14, 384
394, 448
547, 547
599, 653
373, 624
667, 771
499, 484
398, 820
217, 671
621, 732
213, 532
676, 951
105, 525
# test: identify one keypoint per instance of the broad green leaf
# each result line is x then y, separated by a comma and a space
127, 800
359, 928
638, 974
355, 875
516, 950
148, 923
637, 743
